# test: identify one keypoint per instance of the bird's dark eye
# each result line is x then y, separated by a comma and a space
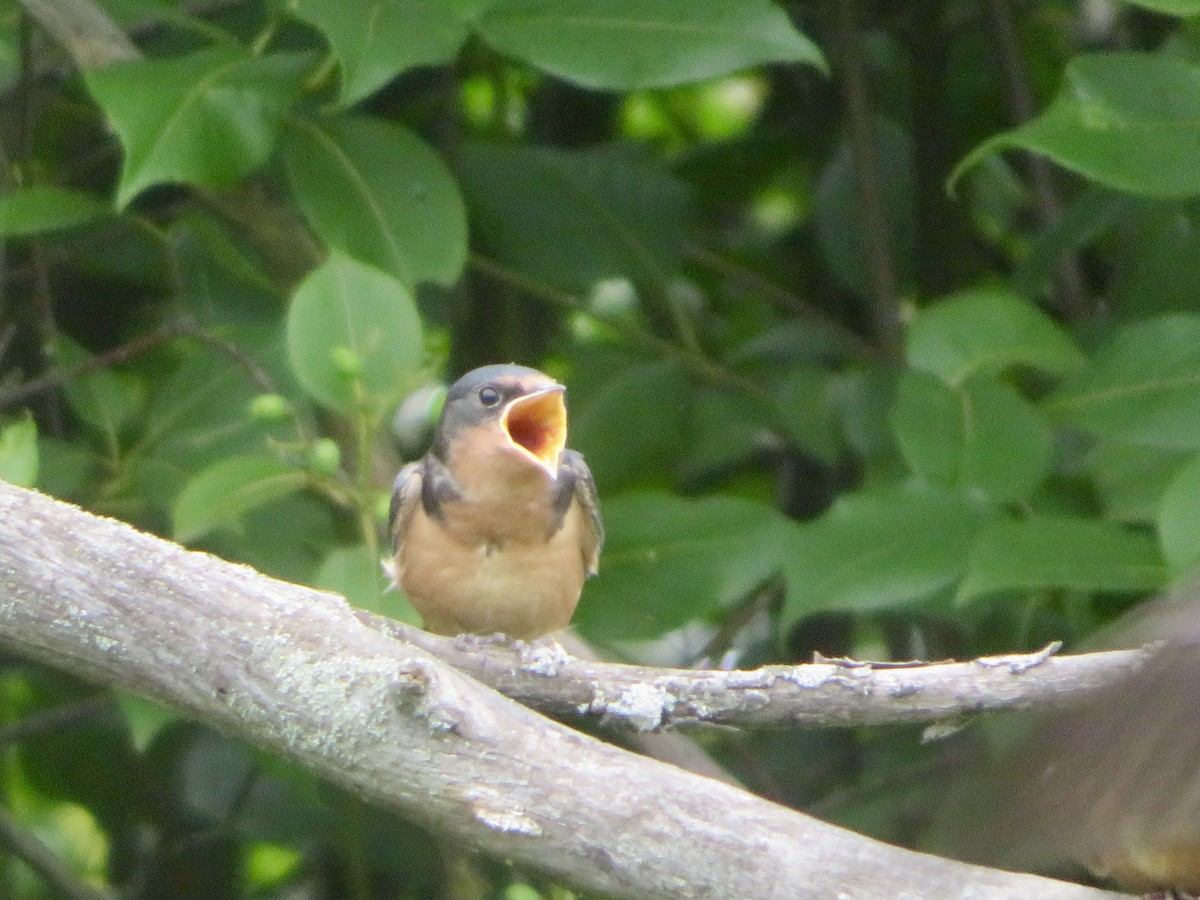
489, 396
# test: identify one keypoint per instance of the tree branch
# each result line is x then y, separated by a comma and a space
294, 671
821, 694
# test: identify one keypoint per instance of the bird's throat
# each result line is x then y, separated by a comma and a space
536, 426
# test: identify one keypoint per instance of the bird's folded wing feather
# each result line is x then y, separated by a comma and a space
406, 494
584, 493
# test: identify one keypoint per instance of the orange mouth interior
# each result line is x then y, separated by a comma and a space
537, 424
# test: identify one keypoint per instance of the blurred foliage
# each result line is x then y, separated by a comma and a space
852, 377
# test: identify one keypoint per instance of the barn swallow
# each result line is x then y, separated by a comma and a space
496, 528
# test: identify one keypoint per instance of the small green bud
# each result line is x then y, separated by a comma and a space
270, 407
325, 456
347, 363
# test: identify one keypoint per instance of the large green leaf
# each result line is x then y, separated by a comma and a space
981, 437
19, 452
838, 208
1157, 267
1061, 553
631, 44
219, 277
571, 217
221, 494
1143, 388
40, 208
879, 550
353, 334
288, 538
1178, 523
207, 119
375, 40
1130, 121
668, 560
375, 191
1131, 479
1169, 7
988, 330
634, 426
106, 399
355, 573
199, 411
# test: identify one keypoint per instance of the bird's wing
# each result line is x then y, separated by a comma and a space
406, 494
583, 491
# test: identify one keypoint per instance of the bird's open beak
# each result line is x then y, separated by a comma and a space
536, 424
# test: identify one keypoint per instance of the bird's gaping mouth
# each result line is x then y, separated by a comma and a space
536, 423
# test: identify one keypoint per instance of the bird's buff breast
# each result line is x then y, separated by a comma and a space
520, 587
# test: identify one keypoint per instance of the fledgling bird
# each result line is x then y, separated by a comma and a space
496, 528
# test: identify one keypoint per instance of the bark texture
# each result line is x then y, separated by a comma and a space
294, 670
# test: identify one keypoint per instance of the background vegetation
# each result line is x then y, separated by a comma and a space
851, 376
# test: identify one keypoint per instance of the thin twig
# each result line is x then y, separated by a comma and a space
885, 306
111, 357
43, 861
255, 373
178, 328
829, 693
1073, 300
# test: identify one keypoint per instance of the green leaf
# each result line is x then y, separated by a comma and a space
668, 560
1169, 7
288, 538
1157, 268
207, 119
1131, 479
70, 470
981, 437
40, 208
375, 40
862, 399
805, 408
838, 208
375, 191
631, 44
145, 718
1061, 554
345, 312
572, 217
634, 426
355, 573
219, 277
1178, 524
1143, 388
878, 550
105, 399
1130, 121
988, 330
19, 452
200, 410
218, 496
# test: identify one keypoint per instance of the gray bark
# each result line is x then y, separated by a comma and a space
293, 670
827, 693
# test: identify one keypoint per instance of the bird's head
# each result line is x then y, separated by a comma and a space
513, 409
